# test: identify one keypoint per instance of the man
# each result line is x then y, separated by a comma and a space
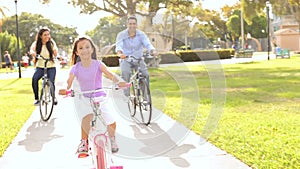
131, 42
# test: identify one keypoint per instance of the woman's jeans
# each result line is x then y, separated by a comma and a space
38, 74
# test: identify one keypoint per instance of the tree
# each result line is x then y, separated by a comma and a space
9, 43
282, 7
279, 7
29, 25
211, 24
257, 28
107, 29
2, 14
234, 26
145, 8
130, 7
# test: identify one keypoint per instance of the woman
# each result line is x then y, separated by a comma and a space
45, 46
8, 61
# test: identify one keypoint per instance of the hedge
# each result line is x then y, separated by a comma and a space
180, 56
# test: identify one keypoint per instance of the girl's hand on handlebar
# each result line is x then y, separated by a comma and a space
62, 92
65, 92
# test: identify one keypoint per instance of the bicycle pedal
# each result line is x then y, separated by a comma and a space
83, 155
116, 167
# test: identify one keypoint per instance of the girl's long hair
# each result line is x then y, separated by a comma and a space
75, 57
39, 43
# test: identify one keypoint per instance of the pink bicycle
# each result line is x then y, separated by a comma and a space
99, 142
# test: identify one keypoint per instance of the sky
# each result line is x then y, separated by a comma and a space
60, 12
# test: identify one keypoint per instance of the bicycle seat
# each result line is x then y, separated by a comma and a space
100, 99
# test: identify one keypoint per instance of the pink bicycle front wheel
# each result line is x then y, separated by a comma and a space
100, 155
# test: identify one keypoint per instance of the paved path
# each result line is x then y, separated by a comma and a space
165, 144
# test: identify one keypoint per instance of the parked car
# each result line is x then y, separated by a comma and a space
217, 47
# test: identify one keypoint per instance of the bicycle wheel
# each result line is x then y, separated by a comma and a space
46, 100
132, 102
100, 155
103, 151
145, 103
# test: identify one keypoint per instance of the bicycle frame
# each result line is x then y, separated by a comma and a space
99, 137
141, 93
47, 93
136, 74
99, 141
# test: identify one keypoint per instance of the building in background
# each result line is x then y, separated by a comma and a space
286, 33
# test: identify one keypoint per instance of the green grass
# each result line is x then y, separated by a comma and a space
259, 123
16, 107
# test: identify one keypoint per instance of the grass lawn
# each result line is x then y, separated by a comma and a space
16, 107
258, 121
250, 110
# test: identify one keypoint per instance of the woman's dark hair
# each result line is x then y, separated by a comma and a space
39, 43
75, 57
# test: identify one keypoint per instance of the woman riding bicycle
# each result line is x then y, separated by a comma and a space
45, 46
131, 42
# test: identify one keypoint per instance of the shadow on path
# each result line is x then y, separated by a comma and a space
158, 142
39, 133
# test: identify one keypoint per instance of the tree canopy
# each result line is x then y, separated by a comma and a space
29, 25
254, 8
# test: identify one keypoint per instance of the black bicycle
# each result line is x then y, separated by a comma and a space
47, 95
140, 96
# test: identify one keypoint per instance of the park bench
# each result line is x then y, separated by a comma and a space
244, 53
282, 53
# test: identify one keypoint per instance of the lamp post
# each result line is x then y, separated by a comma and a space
242, 28
268, 26
18, 44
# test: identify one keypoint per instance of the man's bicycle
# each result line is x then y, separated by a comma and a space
140, 96
98, 141
47, 95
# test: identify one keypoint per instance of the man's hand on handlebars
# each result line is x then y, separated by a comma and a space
122, 56
154, 53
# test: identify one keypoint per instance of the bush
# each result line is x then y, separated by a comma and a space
202, 55
111, 60
170, 57
180, 56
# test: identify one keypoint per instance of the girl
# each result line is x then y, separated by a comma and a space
88, 73
46, 47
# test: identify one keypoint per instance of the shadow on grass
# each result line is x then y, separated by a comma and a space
7, 83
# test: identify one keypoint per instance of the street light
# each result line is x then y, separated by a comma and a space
18, 44
242, 27
268, 26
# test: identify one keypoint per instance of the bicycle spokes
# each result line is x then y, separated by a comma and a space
46, 101
145, 103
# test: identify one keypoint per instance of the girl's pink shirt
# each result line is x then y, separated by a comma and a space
89, 78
